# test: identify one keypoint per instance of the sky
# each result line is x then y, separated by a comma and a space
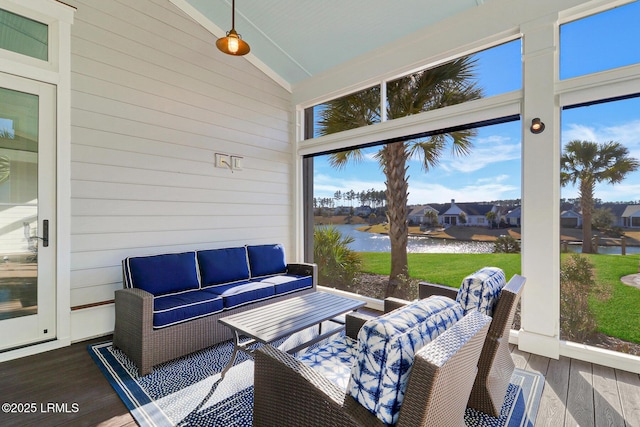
493, 171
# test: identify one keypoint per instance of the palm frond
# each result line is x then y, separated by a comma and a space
340, 159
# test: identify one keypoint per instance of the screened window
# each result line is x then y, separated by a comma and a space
23, 35
600, 42
358, 198
599, 229
349, 112
490, 72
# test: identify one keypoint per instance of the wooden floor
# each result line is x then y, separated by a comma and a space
575, 393
582, 394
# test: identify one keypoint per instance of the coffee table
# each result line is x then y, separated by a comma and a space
274, 321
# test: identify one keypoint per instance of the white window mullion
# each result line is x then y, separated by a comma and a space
383, 101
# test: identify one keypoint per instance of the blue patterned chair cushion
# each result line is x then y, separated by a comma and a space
386, 349
333, 360
480, 290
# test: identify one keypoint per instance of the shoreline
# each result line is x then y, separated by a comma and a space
571, 236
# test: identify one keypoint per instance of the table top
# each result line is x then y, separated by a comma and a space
274, 321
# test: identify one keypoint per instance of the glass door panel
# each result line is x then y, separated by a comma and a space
27, 163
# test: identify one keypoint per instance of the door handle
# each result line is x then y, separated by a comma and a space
45, 233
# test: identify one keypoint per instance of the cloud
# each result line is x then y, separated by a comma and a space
627, 134
420, 193
493, 179
327, 185
486, 151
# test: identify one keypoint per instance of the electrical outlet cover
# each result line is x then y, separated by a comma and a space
236, 163
222, 161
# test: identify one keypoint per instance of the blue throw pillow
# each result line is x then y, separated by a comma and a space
265, 260
218, 266
162, 274
480, 290
386, 349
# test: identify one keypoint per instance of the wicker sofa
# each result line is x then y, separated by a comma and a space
414, 366
171, 303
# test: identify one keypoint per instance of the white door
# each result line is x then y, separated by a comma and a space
27, 212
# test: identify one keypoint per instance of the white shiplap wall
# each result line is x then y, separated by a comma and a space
152, 102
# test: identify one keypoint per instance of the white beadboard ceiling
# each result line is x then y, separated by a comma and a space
297, 39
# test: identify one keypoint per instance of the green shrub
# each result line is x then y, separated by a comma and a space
577, 285
338, 266
506, 245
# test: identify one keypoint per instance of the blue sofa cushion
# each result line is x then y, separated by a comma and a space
223, 266
288, 283
266, 260
162, 274
237, 294
386, 349
171, 309
480, 290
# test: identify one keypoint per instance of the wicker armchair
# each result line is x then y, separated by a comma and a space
495, 366
289, 393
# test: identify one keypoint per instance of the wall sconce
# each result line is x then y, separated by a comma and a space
536, 125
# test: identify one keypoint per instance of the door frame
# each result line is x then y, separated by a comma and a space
40, 326
56, 71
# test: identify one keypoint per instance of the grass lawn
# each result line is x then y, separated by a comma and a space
445, 269
618, 317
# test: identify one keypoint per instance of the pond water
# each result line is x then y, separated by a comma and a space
371, 242
607, 250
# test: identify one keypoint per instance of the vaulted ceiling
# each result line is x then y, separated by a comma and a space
297, 39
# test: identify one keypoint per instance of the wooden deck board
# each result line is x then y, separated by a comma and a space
580, 409
553, 403
606, 400
575, 392
629, 391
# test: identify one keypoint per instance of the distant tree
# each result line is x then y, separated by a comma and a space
602, 219
491, 217
462, 218
431, 217
587, 163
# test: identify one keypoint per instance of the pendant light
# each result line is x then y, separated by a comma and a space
233, 44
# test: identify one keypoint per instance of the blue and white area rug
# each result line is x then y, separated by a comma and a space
188, 391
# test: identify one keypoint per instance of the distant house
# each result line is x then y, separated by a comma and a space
363, 211
570, 218
469, 214
420, 214
631, 216
514, 217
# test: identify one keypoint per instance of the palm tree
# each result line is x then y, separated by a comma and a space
491, 217
588, 163
448, 84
